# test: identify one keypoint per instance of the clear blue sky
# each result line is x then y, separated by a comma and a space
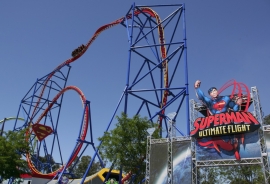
226, 40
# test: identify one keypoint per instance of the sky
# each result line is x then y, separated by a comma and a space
225, 40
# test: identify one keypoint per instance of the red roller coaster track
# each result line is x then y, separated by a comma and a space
98, 31
82, 136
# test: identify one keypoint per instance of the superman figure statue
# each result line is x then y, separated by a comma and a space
217, 104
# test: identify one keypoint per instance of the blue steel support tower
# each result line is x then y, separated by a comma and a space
145, 80
148, 57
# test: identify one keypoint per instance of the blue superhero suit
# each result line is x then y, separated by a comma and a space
217, 105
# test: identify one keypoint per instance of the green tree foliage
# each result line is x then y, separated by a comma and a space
208, 175
244, 174
12, 145
72, 168
126, 144
82, 165
266, 119
45, 163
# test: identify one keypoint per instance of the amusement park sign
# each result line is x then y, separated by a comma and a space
226, 115
224, 124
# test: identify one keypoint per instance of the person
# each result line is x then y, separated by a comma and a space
217, 104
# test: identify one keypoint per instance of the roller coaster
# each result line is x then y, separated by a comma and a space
153, 88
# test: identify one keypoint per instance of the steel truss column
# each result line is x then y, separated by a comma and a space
170, 159
193, 117
258, 114
171, 135
147, 176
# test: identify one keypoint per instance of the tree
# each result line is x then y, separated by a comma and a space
266, 119
45, 163
243, 174
82, 166
72, 168
12, 146
208, 175
125, 145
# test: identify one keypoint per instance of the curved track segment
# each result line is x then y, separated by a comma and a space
83, 49
105, 27
8, 119
79, 145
